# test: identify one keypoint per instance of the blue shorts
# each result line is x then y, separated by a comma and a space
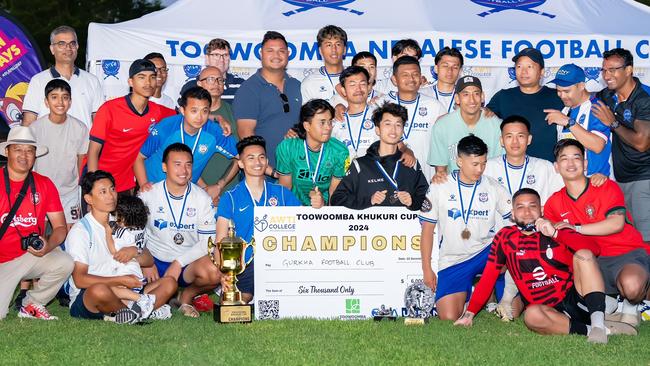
162, 268
460, 276
79, 310
246, 280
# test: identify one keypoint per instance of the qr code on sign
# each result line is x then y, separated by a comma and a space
269, 309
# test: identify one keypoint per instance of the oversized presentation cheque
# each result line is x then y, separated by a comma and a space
333, 262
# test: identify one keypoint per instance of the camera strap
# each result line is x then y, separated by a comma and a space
29, 181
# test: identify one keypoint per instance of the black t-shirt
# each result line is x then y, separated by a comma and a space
508, 102
630, 165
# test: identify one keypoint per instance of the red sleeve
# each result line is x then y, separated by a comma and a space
485, 285
100, 124
550, 210
612, 197
51, 196
166, 112
575, 241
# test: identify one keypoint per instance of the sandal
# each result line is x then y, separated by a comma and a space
189, 310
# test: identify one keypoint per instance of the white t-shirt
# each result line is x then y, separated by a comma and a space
490, 205
94, 252
178, 227
87, 94
319, 85
537, 174
164, 100
422, 115
356, 131
64, 141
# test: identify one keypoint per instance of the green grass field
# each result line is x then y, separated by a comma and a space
185, 341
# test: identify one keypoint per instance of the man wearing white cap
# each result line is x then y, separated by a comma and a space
25, 253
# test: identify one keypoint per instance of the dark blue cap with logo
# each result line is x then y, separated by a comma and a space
569, 74
531, 53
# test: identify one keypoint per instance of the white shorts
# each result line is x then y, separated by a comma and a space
72, 206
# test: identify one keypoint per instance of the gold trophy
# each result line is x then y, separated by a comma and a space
231, 308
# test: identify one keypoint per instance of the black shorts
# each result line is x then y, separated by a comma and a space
79, 310
574, 307
611, 266
246, 280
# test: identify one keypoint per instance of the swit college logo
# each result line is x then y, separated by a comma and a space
304, 5
497, 6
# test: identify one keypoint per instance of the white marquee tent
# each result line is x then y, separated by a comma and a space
488, 32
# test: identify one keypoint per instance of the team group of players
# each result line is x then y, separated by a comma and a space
471, 170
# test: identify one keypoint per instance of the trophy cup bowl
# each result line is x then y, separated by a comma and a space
231, 308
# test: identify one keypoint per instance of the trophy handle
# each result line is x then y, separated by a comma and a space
211, 248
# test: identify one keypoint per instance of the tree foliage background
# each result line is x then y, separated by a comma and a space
41, 16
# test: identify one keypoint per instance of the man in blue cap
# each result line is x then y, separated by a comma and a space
577, 122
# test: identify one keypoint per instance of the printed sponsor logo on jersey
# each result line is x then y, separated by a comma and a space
203, 148
496, 6
539, 274
191, 212
322, 88
160, 224
36, 198
273, 201
483, 197
368, 124
305, 5
20, 220
627, 114
590, 211
423, 111
161, 209
454, 213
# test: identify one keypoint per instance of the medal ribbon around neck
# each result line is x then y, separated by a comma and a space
171, 209
330, 79
462, 206
363, 119
253, 198
314, 176
415, 110
392, 180
451, 103
523, 174
196, 142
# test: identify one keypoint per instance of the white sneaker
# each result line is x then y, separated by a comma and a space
146, 303
162, 313
504, 311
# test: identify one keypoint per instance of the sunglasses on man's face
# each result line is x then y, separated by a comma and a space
285, 102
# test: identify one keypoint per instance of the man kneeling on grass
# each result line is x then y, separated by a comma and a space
99, 287
555, 271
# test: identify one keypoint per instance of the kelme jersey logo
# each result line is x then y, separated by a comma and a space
304, 5
497, 6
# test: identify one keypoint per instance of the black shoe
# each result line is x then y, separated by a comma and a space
64, 299
18, 303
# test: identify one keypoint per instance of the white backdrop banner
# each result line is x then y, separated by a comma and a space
334, 263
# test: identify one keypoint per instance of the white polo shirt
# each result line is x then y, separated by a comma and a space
87, 94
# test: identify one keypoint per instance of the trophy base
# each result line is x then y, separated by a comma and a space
379, 318
225, 314
415, 321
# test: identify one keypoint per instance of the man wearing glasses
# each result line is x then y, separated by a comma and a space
625, 108
217, 54
87, 94
161, 78
268, 103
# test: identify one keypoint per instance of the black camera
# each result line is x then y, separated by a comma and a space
32, 240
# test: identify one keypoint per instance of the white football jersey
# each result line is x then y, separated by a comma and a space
356, 131
178, 227
88, 246
446, 99
537, 174
452, 205
422, 115
319, 85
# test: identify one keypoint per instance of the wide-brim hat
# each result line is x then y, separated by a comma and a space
21, 135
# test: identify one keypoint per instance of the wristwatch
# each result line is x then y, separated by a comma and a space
614, 125
578, 228
571, 122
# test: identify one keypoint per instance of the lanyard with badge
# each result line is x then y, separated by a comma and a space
178, 238
314, 176
391, 179
451, 102
415, 110
263, 201
523, 174
465, 234
196, 141
363, 119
